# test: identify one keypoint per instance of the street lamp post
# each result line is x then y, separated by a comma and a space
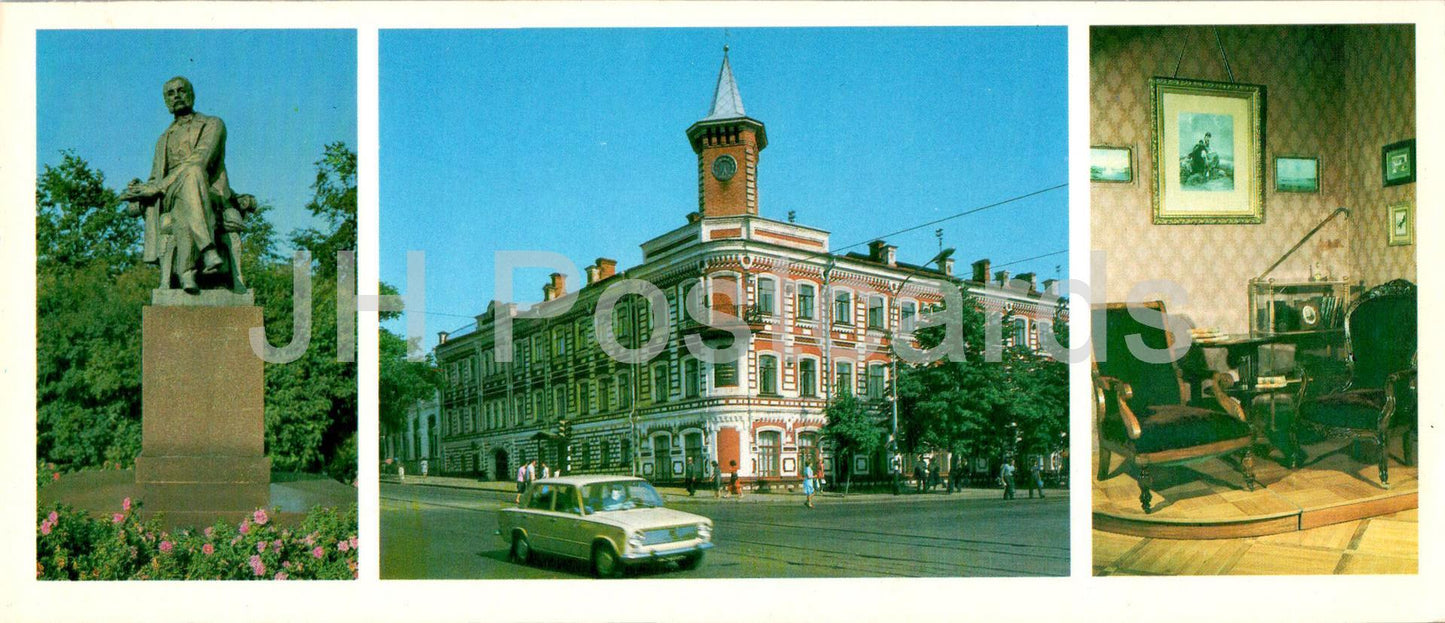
893, 437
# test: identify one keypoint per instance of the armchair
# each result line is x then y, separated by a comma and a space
1143, 408
1380, 333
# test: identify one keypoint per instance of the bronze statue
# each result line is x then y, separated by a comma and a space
191, 214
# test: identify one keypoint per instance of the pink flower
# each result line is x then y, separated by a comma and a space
125, 505
44, 527
353, 542
245, 526
208, 549
311, 539
236, 540
166, 546
210, 532
342, 546
54, 517
286, 564
257, 567
261, 547
280, 575
318, 552
260, 517
117, 518
55, 476
276, 545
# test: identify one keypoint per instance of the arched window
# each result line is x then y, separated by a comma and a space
766, 293
876, 316
808, 449
842, 307
907, 316
770, 446
1020, 333
807, 301
808, 378
767, 374
843, 379
875, 381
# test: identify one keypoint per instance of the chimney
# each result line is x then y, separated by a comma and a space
890, 255
592, 272
605, 268
442, 337
875, 250
1051, 286
1002, 278
549, 292
693, 217
559, 285
980, 270
1030, 279
947, 267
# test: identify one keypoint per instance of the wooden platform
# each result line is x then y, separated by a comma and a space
1208, 500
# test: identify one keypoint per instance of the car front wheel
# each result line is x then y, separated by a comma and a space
605, 562
690, 562
521, 548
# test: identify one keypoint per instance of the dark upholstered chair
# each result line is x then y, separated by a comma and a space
1380, 330
1143, 409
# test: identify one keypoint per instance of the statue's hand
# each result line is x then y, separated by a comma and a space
137, 191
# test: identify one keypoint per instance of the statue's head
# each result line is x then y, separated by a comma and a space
179, 95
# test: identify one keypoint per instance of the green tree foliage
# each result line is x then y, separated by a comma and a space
401, 382
852, 429
92, 287
969, 407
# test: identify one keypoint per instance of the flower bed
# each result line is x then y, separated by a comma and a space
72, 545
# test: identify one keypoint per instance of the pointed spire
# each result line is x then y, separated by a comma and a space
726, 102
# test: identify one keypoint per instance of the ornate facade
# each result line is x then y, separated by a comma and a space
818, 323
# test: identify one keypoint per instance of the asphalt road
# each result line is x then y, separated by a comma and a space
437, 533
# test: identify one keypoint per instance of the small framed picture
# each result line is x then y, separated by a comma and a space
1397, 163
1296, 174
1108, 163
1402, 224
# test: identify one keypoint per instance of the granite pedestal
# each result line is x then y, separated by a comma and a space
202, 406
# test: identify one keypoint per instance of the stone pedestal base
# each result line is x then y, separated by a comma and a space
203, 414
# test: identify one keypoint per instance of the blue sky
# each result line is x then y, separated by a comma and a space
572, 141
284, 94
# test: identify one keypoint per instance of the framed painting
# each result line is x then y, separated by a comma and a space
1208, 147
1402, 224
1397, 163
1296, 174
1108, 163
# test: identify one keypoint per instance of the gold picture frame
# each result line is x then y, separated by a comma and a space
1208, 148
1401, 228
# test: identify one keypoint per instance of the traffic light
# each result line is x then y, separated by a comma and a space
564, 428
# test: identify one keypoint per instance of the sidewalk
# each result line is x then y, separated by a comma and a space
674, 494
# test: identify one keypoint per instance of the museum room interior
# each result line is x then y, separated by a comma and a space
1268, 423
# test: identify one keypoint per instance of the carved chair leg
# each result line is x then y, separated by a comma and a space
1146, 481
1296, 453
1384, 460
1246, 466
1104, 458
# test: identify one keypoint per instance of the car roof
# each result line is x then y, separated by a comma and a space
586, 480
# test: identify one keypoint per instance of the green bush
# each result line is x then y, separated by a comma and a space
72, 545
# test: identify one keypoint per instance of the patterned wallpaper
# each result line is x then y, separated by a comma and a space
1335, 92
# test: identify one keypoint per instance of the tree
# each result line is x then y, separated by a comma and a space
402, 383
79, 221
851, 429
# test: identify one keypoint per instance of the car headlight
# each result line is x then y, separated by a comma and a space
704, 532
634, 540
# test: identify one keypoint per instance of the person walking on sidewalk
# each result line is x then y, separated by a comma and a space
521, 480
919, 475
809, 484
689, 476
716, 480
1036, 479
1006, 476
733, 485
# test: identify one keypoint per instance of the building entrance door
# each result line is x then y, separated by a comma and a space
662, 458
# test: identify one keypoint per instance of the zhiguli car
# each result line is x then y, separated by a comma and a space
610, 521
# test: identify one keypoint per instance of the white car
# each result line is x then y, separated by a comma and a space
610, 521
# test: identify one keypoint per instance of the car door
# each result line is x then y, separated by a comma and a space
539, 520
574, 536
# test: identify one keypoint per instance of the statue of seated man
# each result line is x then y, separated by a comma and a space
191, 214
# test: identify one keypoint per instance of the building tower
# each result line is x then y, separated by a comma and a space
727, 143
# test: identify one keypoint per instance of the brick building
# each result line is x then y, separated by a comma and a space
818, 323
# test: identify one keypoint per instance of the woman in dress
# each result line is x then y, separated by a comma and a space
809, 484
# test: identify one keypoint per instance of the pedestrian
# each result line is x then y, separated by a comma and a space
932, 475
895, 469
521, 480
919, 476
1006, 477
546, 470
690, 476
1036, 479
716, 480
809, 486
401, 470
733, 485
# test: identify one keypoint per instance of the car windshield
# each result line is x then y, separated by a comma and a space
621, 495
